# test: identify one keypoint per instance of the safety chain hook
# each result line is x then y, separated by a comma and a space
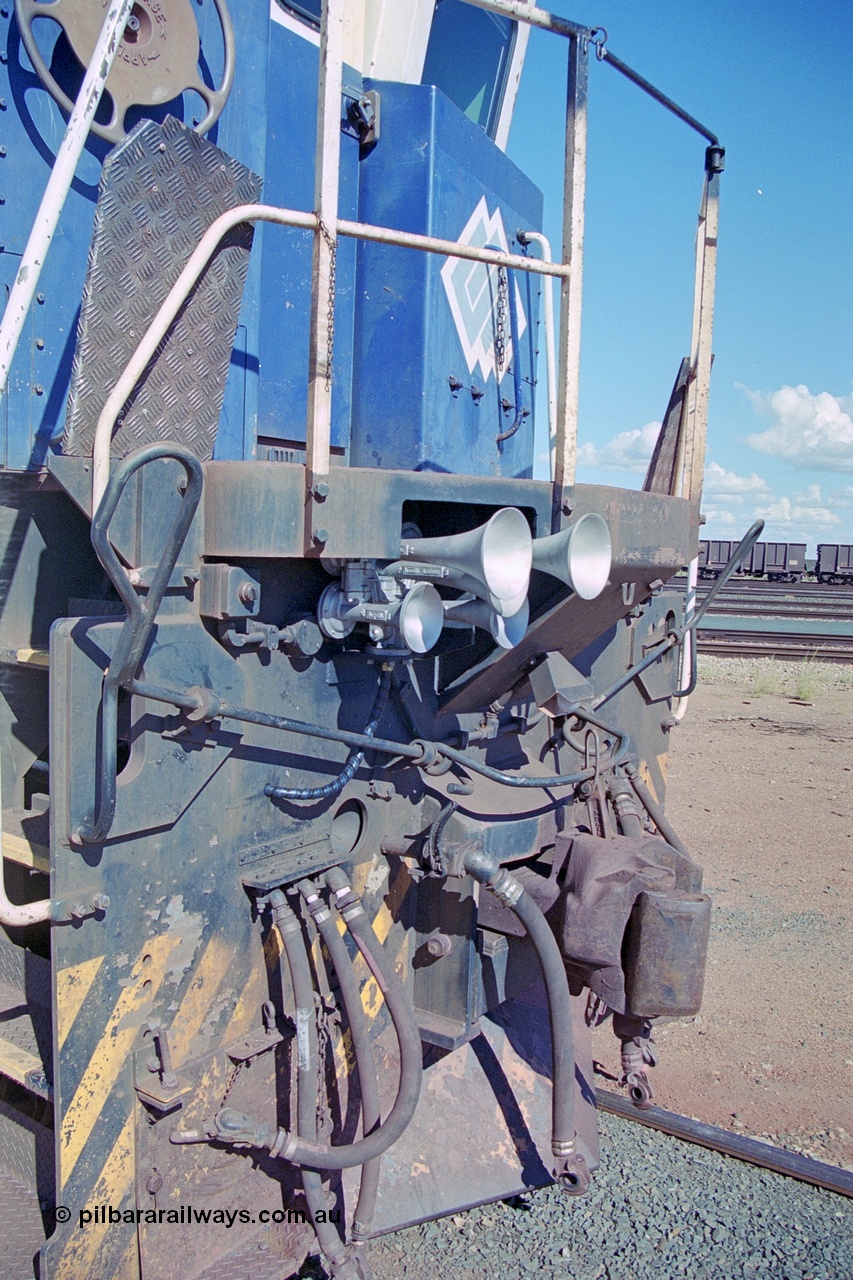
598, 39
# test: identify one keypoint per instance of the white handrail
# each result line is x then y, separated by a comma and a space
58, 186
199, 259
536, 237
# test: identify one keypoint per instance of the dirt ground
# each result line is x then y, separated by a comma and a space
761, 792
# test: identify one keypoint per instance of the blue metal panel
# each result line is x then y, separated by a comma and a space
435, 172
286, 285
31, 131
242, 132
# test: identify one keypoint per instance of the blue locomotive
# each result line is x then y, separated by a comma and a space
333, 743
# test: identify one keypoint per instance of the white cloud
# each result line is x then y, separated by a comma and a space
782, 512
716, 516
628, 451
840, 497
813, 431
729, 484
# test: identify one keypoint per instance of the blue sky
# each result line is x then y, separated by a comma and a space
775, 82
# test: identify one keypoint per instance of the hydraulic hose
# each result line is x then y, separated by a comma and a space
654, 810
290, 932
571, 1171
354, 760
362, 1048
234, 1127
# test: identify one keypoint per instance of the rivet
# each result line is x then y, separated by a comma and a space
39, 389
40, 343
2, 149
40, 298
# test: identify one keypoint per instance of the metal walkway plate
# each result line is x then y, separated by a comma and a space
160, 191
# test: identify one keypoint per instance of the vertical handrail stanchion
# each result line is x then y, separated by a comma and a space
326, 179
59, 184
691, 461
565, 445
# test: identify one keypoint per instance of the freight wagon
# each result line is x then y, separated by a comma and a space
777, 561
834, 563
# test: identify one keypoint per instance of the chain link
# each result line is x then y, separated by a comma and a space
332, 246
231, 1083
500, 323
327, 1018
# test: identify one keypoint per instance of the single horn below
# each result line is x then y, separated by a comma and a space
506, 632
418, 617
581, 555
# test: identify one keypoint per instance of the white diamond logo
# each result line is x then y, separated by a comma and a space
472, 291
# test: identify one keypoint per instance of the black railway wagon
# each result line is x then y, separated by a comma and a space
783, 561
779, 561
713, 557
834, 562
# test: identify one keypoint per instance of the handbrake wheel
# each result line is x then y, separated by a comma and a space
156, 61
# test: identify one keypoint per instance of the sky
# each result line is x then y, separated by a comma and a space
774, 80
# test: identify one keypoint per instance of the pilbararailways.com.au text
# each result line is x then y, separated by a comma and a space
105, 1214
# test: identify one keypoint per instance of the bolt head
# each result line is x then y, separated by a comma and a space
321, 536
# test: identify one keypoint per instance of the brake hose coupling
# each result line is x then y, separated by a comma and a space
346, 899
572, 1174
315, 904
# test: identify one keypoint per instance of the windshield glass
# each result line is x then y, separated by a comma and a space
309, 10
468, 57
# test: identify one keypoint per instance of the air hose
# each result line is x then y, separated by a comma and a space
571, 1172
362, 1048
234, 1127
354, 760
290, 932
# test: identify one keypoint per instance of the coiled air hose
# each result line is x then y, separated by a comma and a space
234, 1127
354, 760
362, 1049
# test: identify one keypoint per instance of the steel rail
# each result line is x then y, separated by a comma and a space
763, 1154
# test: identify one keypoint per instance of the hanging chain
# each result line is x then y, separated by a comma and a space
238, 1067
500, 322
332, 246
328, 1015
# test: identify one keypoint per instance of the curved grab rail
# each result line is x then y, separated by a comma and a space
140, 613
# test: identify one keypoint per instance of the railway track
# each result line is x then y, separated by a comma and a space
793, 622
762, 1154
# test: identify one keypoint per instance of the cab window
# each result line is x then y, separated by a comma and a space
468, 58
307, 10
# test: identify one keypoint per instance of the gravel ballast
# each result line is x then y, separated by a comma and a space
657, 1206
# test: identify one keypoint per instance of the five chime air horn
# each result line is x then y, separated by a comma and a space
491, 565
